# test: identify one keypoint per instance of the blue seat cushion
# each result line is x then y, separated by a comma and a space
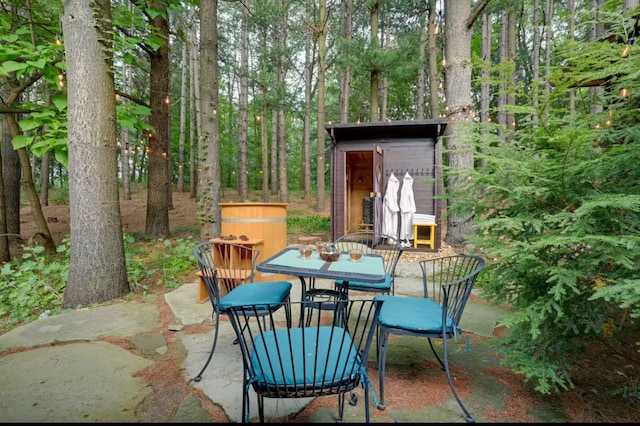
310, 356
270, 294
416, 314
384, 286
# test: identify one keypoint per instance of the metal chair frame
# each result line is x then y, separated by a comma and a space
447, 285
373, 242
327, 357
226, 267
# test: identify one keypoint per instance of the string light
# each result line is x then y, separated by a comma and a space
624, 92
625, 51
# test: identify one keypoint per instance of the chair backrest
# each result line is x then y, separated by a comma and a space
204, 254
328, 356
373, 242
449, 280
234, 264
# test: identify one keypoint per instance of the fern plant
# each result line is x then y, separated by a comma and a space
558, 215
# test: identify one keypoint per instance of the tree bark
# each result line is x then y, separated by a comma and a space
374, 73
98, 270
5, 255
282, 128
157, 220
195, 118
243, 107
308, 82
434, 75
421, 84
26, 181
209, 175
459, 133
345, 74
322, 65
183, 116
11, 175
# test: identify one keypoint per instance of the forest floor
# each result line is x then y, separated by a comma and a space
602, 373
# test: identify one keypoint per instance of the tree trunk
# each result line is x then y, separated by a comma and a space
459, 160
384, 86
209, 175
98, 270
264, 113
10, 164
308, 81
434, 76
322, 65
26, 182
126, 142
157, 220
243, 107
274, 152
5, 255
345, 74
571, 34
597, 30
282, 128
195, 117
502, 86
421, 84
485, 73
511, 85
375, 73
184, 65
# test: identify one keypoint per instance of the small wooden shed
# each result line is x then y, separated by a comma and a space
363, 157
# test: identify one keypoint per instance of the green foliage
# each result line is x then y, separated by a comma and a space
558, 209
308, 225
174, 260
34, 286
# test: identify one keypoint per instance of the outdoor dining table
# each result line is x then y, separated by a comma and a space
370, 268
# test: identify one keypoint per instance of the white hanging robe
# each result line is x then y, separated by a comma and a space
407, 208
391, 208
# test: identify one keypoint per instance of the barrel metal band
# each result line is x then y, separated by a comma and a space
277, 219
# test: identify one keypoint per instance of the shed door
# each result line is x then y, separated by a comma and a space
378, 184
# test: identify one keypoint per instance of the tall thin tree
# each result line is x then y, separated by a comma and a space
209, 174
321, 34
158, 203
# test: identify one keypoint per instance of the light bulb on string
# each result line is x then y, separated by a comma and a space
625, 50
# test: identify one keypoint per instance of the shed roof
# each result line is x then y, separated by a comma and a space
431, 128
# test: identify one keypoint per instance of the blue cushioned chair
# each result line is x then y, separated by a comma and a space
372, 242
447, 284
326, 357
227, 271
